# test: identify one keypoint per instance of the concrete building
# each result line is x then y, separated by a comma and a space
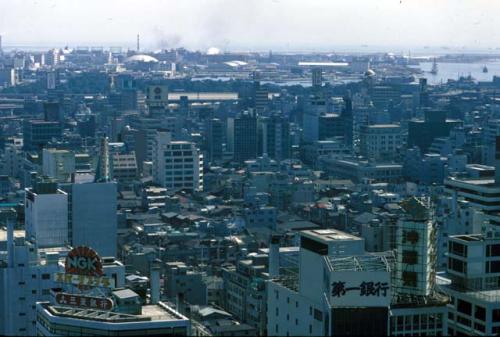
244, 135
36, 134
215, 139
421, 133
152, 320
380, 142
276, 137
326, 294
177, 164
474, 273
25, 277
46, 214
58, 164
184, 284
360, 170
92, 218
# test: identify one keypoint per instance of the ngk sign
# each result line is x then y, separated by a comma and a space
83, 261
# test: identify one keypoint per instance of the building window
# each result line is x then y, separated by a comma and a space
480, 313
493, 266
496, 315
410, 257
464, 307
493, 250
479, 327
45, 276
409, 279
318, 315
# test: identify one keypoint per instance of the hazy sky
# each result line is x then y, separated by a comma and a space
251, 24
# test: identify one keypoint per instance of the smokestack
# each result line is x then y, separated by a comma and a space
138, 43
274, 257
154, 280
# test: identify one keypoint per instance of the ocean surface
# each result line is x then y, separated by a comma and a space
453, 71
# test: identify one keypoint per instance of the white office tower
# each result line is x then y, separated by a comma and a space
474, 283
417, 307
25, 278
46, 214
337, 289
177, 164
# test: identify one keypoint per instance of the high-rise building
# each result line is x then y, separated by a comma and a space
380, 142
157, 96
58, 164
317, 77
276, 137
37, 133
46, 214
416, 238
334, 287
51, 112
473, 286
25, 278
177, 164
348, 121
245, 136
92, 218
422, 133
214, 139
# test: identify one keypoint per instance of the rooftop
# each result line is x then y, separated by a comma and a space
368, 262
152, 312
329, 235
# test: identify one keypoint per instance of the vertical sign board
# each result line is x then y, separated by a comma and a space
360, 288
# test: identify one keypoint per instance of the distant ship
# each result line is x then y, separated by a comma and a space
434, 69
485, 69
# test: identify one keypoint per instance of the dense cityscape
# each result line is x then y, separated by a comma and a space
223, 193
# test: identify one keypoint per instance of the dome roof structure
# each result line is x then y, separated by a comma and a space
140, 58
213, 51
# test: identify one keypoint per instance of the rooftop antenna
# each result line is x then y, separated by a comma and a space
138, 43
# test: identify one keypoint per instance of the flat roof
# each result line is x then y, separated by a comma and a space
329, 235
151, 312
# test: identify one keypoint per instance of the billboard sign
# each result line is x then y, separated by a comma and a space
83, 261
82, 301
85, 281
360, 289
